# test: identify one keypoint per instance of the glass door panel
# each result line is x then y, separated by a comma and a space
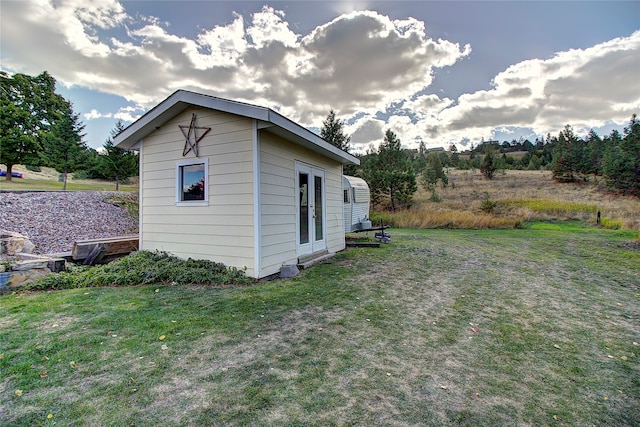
310, 209
303, 206
318, 208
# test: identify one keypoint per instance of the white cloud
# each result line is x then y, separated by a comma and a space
226, 45
126, 114
580, 87
361, 64
95, 114
357, 62
77, 21
269, 27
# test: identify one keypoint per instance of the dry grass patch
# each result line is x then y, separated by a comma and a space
520, 196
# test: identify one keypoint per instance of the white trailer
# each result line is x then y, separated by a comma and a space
357, 196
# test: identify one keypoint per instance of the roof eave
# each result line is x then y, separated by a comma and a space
180, 100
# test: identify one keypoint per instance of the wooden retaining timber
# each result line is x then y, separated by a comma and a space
95, 250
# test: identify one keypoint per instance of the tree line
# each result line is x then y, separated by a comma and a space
38, 127
393, 173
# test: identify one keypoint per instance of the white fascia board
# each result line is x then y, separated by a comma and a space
181, 100
310, 140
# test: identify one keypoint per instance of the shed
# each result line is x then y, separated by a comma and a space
356, 198
235, 183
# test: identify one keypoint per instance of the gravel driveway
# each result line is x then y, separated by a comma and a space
53, 220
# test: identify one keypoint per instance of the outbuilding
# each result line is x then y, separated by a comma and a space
235, 183
356, 198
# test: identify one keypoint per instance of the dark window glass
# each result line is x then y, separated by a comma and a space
193, 182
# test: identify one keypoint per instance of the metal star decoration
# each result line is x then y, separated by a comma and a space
191, 136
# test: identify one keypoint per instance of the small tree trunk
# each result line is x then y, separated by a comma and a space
9, 172
117, 184
64, 181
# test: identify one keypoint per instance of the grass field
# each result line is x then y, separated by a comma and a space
535, 326
47, 179
520, 196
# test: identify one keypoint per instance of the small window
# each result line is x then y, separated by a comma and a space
346, 196
192, 182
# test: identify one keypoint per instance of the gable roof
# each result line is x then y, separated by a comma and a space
268, 119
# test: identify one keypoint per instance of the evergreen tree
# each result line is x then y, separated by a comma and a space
621, 162
116, 163
29, 106
488, 165
534, 163
64, 148
433, 173
594, 151
566, 156
389, 173
422, 148
455, 156
333, 132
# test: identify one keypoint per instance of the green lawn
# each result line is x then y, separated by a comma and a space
441, 327
26, 184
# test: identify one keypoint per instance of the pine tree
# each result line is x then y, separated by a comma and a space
621, 162
64, 148
594, 151
116, 163
567, 156
422, 148
488, 166
333, 132
433, 173
389, 173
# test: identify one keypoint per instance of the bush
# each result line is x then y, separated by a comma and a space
488, 205
612, 224
144, 268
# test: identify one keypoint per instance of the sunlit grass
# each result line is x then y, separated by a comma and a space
452, 219
26, 184
612, 224
533, 326
552, 206
48, 179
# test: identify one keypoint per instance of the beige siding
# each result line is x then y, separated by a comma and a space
223, 230
277, 200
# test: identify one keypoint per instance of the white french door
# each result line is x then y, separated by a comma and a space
311, 227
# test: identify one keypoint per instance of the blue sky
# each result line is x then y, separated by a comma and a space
442, 72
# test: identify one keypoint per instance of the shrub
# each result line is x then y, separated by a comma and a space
488, 205
612, 224
143, 268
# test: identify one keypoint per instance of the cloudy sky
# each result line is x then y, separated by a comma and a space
442, 72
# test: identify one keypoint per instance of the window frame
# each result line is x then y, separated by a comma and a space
180, 164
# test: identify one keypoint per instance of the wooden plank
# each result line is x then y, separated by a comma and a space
113, 246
